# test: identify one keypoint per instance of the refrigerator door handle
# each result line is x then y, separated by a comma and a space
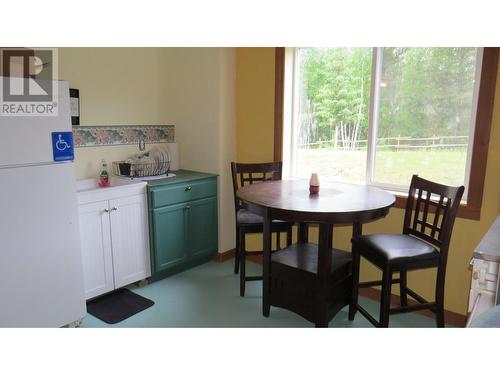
41, 164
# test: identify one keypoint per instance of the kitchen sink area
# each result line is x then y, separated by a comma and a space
134, 230
92, 184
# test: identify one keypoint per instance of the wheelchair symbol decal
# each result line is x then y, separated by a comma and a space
61, 144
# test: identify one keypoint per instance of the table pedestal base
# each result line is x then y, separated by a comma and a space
294, 283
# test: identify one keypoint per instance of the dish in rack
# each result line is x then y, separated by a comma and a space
154, 162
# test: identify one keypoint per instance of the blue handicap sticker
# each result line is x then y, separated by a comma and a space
62, 146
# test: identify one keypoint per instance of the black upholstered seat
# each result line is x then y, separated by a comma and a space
244, 216
396, 248
431, 209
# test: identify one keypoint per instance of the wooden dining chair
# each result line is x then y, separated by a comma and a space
424, 243
248, 222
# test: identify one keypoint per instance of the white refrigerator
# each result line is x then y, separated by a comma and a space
41, 277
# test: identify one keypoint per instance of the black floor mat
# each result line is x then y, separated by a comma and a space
117, 306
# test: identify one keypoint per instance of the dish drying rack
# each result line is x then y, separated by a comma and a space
126, 169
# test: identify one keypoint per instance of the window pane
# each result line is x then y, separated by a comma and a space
331, 123
426, 102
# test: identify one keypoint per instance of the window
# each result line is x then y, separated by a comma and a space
379, 115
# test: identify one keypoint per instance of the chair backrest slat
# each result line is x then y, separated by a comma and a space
436, 214
426, 207
417, 210
249, 173
417, 222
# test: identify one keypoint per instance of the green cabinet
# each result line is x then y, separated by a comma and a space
184, 229
169, 236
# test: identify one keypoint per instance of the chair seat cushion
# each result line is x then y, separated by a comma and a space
395, 249
244, 216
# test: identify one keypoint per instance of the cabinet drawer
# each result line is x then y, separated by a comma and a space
167, 195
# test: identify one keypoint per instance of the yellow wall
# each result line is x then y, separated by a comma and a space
118, 86
255, 104
191, 88
255, 121
200, 89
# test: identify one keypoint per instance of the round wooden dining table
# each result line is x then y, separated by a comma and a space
336, 203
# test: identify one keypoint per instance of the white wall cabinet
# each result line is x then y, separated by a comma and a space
114, 236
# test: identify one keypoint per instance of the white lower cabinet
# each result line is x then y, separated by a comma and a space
129, 236
115, 239
97, 258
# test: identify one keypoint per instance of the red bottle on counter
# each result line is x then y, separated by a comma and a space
104, 175
314, 184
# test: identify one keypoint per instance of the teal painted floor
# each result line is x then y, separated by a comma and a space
208, 296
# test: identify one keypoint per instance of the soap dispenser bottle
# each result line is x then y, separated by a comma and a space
103, 174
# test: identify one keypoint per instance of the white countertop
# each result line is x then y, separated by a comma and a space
489, 247
91, 184
88, 190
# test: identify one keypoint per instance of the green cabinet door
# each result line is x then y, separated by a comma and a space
202, 237
169, 233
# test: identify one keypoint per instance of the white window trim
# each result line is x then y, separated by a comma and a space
475, 101
373, 113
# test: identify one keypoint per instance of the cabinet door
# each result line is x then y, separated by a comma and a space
95, 237
202, 236
130, 239
169, 236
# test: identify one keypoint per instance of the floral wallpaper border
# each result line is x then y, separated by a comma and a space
92, 136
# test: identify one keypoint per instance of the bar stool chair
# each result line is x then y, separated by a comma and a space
248, 222
423, 244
